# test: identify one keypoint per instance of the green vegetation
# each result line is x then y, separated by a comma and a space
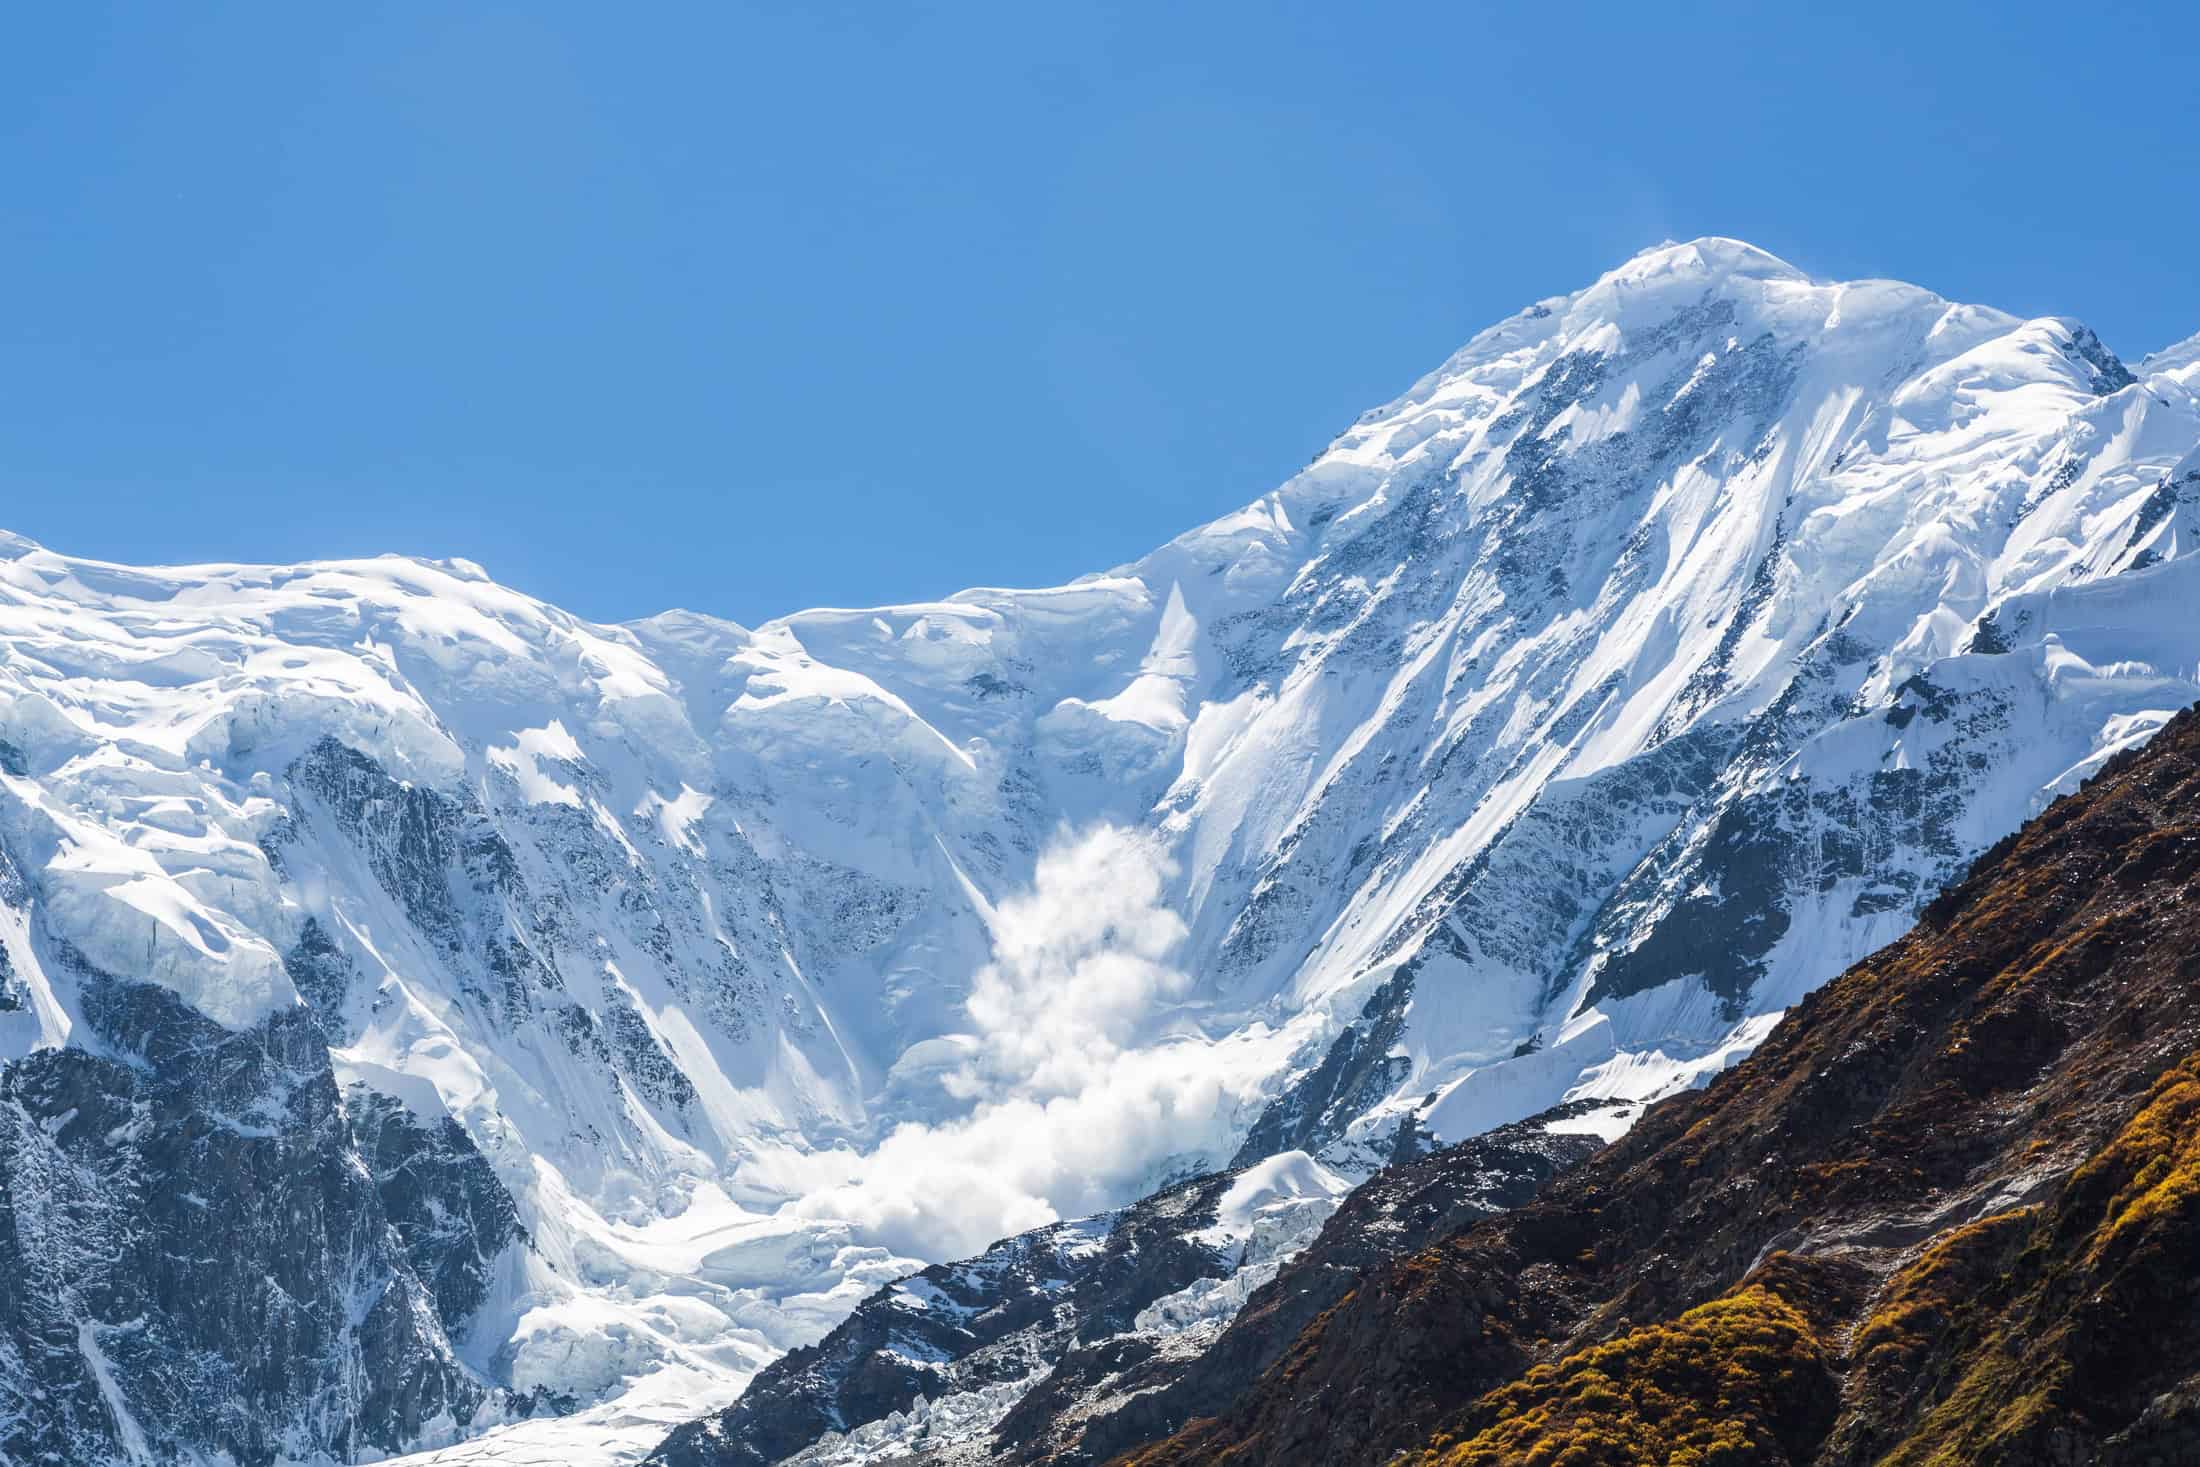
1740, 1380
2153, 1166
2120, 1236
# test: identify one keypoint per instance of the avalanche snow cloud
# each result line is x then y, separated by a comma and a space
1085, 1082
1565, 720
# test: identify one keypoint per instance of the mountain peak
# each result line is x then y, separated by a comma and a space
1708, 257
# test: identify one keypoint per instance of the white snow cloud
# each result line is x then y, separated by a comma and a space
1078, 1097
1079, 962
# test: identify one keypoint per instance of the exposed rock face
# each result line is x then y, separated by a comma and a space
194, 1261
1357, 1072
459, 882
440, 1194
1947, 1212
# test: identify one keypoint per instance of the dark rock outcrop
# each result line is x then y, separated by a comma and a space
193, 1260
451, 1213
1355, 1073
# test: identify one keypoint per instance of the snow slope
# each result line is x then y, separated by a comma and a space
1646, 663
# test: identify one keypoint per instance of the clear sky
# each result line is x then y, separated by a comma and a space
746, 308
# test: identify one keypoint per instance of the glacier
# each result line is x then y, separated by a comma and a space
1648, 662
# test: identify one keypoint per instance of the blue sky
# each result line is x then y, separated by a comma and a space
746, 308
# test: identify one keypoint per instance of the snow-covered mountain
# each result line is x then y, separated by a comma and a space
639, 998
